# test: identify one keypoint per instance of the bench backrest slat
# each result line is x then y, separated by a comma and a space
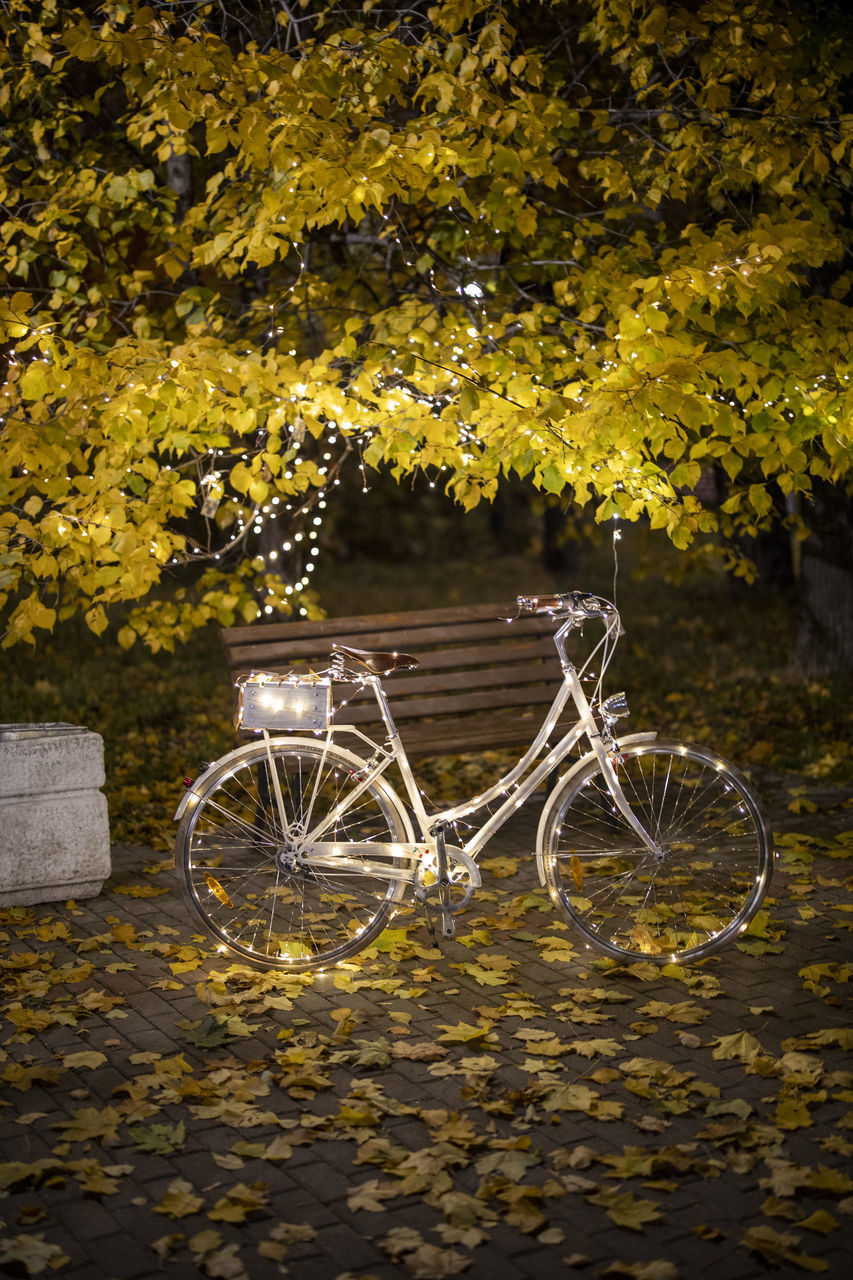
335, 627
475, 700
399, 687
421, 642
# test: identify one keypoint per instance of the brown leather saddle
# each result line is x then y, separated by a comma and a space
371, 661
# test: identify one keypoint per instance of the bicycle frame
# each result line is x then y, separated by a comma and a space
305, 822
514, 786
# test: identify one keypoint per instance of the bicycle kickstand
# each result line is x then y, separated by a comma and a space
448, 924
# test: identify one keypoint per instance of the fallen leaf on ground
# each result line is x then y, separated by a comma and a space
180, 1201
33, 1253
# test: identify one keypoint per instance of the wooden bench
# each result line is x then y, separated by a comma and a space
480, 683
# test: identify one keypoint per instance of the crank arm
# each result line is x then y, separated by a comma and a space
448, 924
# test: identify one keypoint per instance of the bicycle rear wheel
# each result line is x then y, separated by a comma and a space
689, 897
237, 855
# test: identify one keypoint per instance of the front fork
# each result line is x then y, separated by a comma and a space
610, 758
605, 746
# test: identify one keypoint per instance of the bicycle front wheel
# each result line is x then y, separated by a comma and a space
689, 896
238, 856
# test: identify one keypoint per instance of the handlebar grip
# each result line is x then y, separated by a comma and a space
528, 606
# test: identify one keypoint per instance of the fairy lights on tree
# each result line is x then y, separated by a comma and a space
596, 245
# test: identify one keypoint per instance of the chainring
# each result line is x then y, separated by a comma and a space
464, 877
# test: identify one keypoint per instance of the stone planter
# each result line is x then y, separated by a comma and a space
54, 827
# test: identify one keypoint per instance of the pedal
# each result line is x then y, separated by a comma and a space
448, 925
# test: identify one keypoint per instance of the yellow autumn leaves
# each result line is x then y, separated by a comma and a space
445, 246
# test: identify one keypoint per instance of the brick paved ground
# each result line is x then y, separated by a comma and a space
506, 1106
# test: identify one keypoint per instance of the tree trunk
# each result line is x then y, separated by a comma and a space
825, 640
179, 176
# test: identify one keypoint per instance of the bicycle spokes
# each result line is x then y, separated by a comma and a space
693, 891
251, 877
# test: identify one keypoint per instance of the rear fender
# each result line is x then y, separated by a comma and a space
196, 790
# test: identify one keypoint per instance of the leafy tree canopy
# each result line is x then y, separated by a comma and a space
598, 244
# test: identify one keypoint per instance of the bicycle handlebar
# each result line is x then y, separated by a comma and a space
578, 605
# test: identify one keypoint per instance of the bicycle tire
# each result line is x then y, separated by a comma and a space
241, 877
692, 897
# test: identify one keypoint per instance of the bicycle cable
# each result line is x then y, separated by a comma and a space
608, 643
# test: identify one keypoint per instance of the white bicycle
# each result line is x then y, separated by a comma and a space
294, 852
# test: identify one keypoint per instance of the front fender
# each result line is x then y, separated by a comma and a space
624, 740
